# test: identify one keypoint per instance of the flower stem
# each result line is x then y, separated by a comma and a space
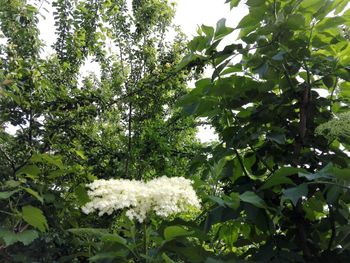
145, 243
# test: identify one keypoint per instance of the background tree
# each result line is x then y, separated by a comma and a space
285, 183
69, 130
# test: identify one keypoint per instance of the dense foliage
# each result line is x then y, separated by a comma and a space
274, 188
61, 129
279, 100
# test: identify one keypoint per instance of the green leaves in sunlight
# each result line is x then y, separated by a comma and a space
172, 232
278, 101
35, 217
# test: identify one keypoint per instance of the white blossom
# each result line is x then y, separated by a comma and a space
162, 196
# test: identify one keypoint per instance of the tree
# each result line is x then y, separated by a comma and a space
69, 130
285, 184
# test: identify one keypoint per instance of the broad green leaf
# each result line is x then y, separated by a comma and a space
262, 69
220, 68
277, 137
8, 194
208, 31
233, 201
8, 237
311, 6
81, 194
12, 184
34, 193
172, 232
248, 21
35, 217
188, 59
274, 180
167, 259
255, 2
26, 237
330, 22
217, 200
287, 171
324, 173
232, 69
108, 256
233, 3
340, 5
279, 56
47, 158
114, 238
295, 193
341, 174
221, 29
329, 81
199, 43
31, 171
253, 198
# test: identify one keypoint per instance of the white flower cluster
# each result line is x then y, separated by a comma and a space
163, 196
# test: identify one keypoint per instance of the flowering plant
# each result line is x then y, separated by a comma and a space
162, 196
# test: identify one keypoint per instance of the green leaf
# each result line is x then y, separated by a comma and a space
172, 232
248, 22
296, 21
8, 237
324, 173
108, 256
252, 198
208, 31
330, 22
35, 217
26, 237
233, 3
341, 174
295, 193
277, 137
328, 81
255, 3
221, 29
217, 200
279, 56
232, 69
34, 193
311, 6
114, 238
31, 171
220, 68
280, 177
199, 43
262, 70
167, 259
276, 180
8, 194
187, 60
287, 171
233, 201
47, 158
82, 195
